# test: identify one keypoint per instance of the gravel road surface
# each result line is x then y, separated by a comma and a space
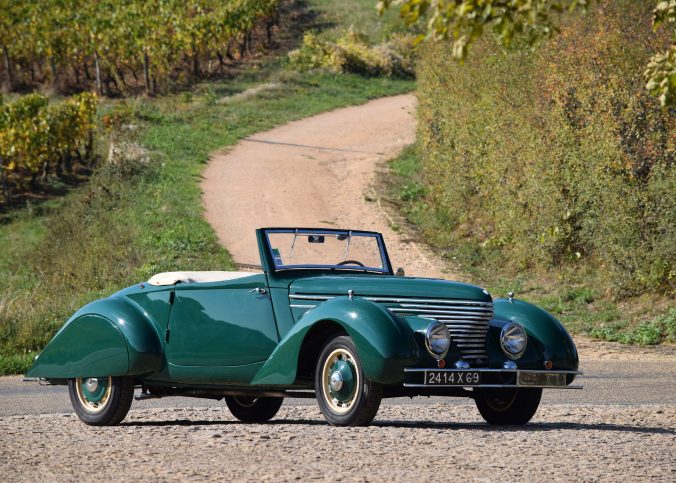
621, 426
412, 442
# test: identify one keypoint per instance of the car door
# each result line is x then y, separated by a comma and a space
220, 324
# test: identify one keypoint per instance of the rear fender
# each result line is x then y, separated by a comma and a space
109, 337
385, 344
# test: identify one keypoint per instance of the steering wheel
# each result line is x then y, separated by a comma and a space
351, 262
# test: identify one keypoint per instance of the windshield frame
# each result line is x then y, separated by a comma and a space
385, 260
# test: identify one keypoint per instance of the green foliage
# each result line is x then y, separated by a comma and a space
570, 291
116, 45
41, 138
660, 329
555, 157
15, 363
351, 53
660, 73
463, 21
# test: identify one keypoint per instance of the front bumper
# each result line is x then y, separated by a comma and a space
490, 378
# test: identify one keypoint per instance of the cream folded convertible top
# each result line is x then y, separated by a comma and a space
172, 278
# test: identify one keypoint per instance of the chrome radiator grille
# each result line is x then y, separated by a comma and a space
467, 320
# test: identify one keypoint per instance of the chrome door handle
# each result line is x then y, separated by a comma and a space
259, 291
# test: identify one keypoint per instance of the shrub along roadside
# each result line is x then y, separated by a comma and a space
143, 213
353, 53
554, 158
573, 292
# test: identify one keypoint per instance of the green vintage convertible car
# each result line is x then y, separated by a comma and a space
326, 317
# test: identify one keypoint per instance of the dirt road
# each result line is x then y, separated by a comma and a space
316, 172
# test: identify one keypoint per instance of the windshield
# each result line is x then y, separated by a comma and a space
323, 248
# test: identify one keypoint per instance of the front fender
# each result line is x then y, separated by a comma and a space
385, 344
109, 337
545, 333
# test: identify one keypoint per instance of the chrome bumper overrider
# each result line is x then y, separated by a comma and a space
497, 378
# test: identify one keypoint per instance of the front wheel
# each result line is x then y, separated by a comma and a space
508, 406
345, 395
101, 401
250, 409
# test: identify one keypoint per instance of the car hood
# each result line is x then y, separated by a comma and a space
391, 286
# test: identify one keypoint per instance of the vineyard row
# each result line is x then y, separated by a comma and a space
118, 46
39, 139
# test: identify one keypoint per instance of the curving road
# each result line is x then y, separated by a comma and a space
315, 172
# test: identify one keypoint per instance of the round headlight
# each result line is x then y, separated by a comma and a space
437, 340
513, 340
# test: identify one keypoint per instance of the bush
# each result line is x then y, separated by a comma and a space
352, 53
660, 329
555, 156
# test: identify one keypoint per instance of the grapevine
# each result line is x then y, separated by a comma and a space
118, 46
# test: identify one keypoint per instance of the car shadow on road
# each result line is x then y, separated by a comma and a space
451, 426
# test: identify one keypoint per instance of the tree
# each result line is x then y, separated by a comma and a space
463, 21
661, 71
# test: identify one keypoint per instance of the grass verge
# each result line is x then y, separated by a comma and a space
358, 15
571, 293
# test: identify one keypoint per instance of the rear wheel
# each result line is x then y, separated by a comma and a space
345, 395
508, 406
250, 409
101, 401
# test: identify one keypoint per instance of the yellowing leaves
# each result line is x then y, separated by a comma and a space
36, 137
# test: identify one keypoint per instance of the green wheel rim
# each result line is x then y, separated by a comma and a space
340, 380
347, 372
93, 393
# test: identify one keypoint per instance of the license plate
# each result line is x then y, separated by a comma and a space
452, 378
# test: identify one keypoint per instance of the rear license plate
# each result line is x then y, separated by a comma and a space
452, 378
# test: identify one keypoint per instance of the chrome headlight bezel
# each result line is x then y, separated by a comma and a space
513, 340
437, 340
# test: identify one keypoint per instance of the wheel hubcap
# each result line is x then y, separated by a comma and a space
93, 393
341, 380
92, 384
336, 382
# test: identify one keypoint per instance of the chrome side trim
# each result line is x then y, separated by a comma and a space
401, 300
309, 297
407, 300
444, 314
446, 307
